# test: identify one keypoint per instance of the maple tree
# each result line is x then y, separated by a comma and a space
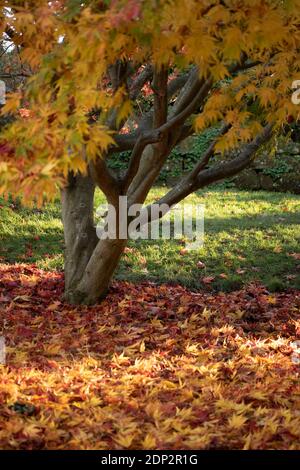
227, 63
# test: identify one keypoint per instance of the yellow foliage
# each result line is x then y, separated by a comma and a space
70, 61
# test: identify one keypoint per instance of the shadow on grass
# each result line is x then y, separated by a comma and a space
237, 250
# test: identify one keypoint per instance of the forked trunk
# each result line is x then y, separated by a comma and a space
89, 262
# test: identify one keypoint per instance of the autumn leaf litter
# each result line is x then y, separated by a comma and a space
152, 367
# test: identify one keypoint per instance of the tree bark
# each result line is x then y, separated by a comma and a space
89, 262
98, 274
79, 231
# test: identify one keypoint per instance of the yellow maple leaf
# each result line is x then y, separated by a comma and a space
237, 421
124, 440
149, 442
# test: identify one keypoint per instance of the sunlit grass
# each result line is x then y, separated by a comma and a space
248, 236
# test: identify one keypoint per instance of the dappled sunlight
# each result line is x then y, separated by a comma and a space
151, 367
248, 236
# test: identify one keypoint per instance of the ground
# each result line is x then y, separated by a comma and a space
152, 367
249, 236
156, 365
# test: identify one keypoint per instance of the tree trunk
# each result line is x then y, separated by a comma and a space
89, 262
99, 271
79, 232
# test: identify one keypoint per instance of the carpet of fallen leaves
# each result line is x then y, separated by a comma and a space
152, 367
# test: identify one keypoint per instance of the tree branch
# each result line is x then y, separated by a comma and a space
105, 180
188, 92
234, 166
139, 82
190, 109
14, 75
127, 141
211, 175
143, 140
160, 106
118, 74
209, 153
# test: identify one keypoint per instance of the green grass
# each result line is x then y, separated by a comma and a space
248, 237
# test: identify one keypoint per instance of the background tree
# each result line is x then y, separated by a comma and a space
227, 63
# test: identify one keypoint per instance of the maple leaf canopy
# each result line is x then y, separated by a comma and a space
88, 56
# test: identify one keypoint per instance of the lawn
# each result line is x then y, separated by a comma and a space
249, 236
156, 366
